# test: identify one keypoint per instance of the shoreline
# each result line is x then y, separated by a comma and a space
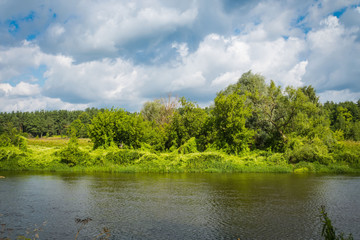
141, 161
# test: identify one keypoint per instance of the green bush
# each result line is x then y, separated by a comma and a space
348, 156
309, 151
276, 158
10, 158
188, 147
204, 160
72, 155
148, 158
123, 156
7, 140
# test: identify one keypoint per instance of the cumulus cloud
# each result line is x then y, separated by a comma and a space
22, 89
332, 61
37, 103
92, 81
119, 53
16, 61
103, 29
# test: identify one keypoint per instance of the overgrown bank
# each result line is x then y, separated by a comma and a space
78, 155
252, 126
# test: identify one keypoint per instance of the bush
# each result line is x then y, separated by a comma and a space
204, 160
309, 151
10, 157
13, 139
72, 155
188, 147
123, 156
349, 157
148, 158
276, 158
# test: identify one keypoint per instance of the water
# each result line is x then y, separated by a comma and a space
177, 206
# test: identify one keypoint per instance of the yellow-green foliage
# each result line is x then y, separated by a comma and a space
72, 155
303, 149
10, 157
188, 147
301, 170
81, 157
348, 152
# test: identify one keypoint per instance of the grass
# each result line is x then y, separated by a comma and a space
45, 154
57, 142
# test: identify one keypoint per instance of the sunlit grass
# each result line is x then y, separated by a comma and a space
57, 142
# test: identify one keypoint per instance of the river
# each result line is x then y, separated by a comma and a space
177, 206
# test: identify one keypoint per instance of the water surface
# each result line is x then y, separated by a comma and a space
178, 206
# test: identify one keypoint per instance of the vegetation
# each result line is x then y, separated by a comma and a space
328, 230
251, 127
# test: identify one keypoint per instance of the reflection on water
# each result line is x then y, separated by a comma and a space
179, 206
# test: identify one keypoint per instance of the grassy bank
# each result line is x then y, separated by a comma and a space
54, 154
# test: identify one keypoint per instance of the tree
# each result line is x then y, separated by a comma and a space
115, 126
152, 111
160, 111
187, 122
230, 114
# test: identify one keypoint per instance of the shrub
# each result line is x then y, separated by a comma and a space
10, 157
123, 156
309, 151
204, 160
72, 155
148, 158
349, 157
188, 147
276, 158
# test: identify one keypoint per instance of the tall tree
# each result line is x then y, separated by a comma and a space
230, 114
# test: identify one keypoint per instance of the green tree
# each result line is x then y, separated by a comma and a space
115, 126
187, 122
230, 114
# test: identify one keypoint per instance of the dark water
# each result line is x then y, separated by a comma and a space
178, 206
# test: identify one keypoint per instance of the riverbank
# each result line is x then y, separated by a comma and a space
54, 154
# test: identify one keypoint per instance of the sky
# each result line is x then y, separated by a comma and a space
117, 53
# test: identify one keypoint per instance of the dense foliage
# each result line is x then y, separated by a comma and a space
287, 125
47, 123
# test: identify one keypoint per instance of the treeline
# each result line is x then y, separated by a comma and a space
345, 117
45, 123
247, 115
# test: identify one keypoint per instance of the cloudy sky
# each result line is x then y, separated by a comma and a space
76, 54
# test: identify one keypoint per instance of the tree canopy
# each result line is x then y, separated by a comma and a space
250, 114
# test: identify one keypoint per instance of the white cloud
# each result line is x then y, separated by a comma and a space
16, 61
339, 96
105, 29
332, 58
22, 89
269, 40
225, 79
36, 103
181, 48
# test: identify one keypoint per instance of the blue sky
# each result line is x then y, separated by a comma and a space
77, 54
